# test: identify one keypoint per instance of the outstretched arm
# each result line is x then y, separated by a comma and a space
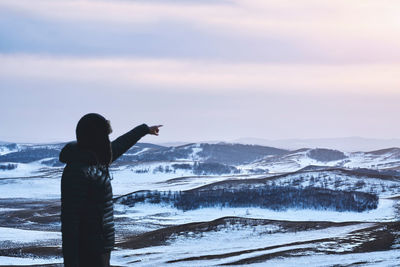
124, 142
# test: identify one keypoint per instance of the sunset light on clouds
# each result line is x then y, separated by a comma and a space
208, 70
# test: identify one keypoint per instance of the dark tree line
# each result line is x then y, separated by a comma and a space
269, 197
198, 168
326, 155
205, 168
8, 166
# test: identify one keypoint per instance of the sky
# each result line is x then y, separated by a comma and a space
205, 69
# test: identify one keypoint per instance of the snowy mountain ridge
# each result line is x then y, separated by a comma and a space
348, 144
204, 158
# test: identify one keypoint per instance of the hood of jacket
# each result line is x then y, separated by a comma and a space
71, 153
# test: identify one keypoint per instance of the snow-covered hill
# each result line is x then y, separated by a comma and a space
385, 159
202, 159
330, 206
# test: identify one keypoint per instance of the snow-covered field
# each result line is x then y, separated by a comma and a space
35, 180
29, 214
230, 239
6, 260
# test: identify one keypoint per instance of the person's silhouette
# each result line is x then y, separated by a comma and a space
87, 222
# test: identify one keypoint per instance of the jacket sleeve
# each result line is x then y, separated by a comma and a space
74, 195
124, 142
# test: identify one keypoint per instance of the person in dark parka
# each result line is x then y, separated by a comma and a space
87, 220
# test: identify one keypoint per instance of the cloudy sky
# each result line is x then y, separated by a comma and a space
206, 69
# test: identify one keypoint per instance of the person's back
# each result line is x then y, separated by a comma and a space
87, 222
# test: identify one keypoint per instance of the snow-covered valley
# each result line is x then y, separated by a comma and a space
159, 234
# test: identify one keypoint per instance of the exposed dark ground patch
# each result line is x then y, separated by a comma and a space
379, 237
32, 251
44, 215
31, 214
160, 236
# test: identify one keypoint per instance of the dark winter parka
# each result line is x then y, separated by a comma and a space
87, 222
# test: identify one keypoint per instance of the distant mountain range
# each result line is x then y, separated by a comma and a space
348, 144
207, 159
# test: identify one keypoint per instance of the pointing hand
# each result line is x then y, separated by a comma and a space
154, 129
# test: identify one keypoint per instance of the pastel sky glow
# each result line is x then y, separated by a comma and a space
206, 69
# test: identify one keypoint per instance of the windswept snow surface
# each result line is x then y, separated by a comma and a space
226, 240
390, 258
4, 260
39, 188
26, 236
23, 170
